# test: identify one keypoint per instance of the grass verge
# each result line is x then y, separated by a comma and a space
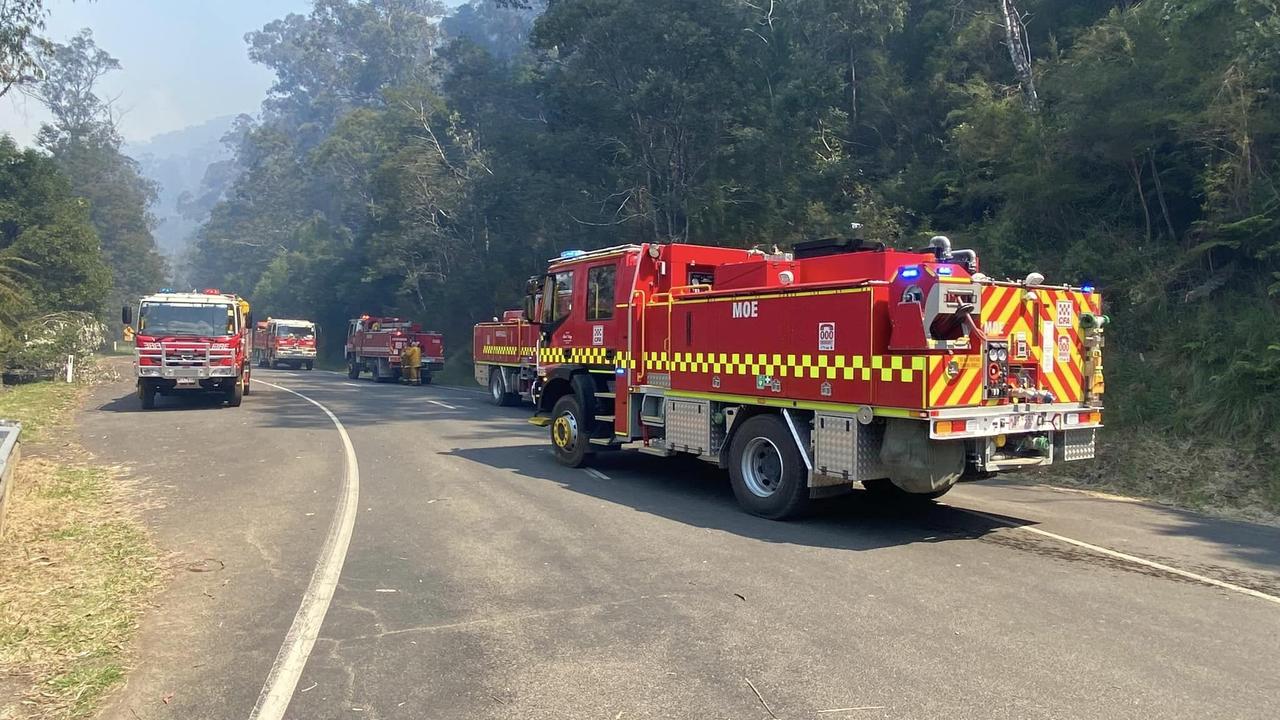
78, 566
1219, 478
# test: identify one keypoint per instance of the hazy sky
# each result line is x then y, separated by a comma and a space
183, 61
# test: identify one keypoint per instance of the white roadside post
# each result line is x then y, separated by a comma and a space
71, 363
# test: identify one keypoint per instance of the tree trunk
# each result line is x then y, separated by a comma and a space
853, 88
1136, 169
1164, 207
1019, 53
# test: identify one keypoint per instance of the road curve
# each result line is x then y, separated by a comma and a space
485, 581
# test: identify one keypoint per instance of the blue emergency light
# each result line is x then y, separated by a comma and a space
944, 270
1086, 288
571, 254
909, 273
166, 290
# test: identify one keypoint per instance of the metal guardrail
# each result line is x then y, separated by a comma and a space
9, 454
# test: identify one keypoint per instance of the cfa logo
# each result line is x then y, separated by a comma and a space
746, 309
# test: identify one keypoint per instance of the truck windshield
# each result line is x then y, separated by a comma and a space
186, 319
295, 331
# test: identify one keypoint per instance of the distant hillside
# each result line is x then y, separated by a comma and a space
177, 161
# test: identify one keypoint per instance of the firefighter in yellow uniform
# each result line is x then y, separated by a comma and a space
410, 360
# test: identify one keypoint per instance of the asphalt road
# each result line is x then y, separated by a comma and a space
483, 580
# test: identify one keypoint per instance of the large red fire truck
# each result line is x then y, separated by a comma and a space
805, 372
196, 342
292, 343
375, 344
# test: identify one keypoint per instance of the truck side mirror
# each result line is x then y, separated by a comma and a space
248, 320
126, 315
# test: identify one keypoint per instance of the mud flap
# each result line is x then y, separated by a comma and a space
917, 464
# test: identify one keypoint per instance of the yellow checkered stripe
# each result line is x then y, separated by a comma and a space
499, 350
882, 368
584, 356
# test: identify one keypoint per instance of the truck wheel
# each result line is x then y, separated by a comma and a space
147, 395
569, 438
309, 366
766, 469
498, 394
236, 393
884, 490
353, 370
248, 385
424, 378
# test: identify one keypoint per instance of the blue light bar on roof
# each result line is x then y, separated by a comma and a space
909, 272
1086, 288
945, 270
567, 254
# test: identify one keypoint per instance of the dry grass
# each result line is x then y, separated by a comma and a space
1217, 478
77, 568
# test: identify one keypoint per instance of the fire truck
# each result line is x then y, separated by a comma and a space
196, 342
505, 351
803, 373
291, 343
374, 344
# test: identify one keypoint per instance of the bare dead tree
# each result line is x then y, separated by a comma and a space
1015, 32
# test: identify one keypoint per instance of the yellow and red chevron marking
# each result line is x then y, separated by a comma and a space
964, 388
1010, 312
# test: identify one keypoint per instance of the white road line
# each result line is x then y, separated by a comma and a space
443, 405
351, 385
455, 388
595, 473
1129, 558
281, 682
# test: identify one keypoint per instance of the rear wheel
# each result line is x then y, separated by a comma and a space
235, 393
146, 394
569, 437
766, 470
353, 369
309, 365
498, 394
424, 378
248, 384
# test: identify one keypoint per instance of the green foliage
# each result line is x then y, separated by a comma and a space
50, 259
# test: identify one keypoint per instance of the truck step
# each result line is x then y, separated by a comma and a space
653, 420
606, 418
657, 451
540, 420
603, 441
602, 394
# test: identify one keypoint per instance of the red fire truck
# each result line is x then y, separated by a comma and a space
292, 343
505, 351
374, 344
195, 342
802, 373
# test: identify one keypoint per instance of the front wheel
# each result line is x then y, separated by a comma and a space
147, 395
235, 394
309, 366
569, 436
766, 470
353, 370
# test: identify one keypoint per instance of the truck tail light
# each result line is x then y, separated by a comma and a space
951, 427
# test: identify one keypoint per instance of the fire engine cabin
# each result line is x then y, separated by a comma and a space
505, 351
195, 342
291, 343
374, 344
803, 373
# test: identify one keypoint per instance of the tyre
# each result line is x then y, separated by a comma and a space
424, 378
498, 394
569, 436
147, 395
309, 365
885, 491
766, 469
248, 385
353, 369
236, 393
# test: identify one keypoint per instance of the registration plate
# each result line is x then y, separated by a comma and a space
186, 381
